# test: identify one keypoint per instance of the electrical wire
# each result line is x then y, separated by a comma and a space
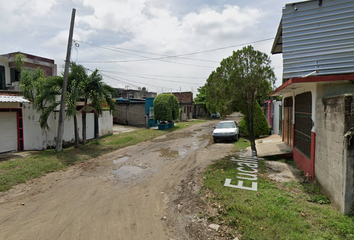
134, 74
140, 76
167, 56
144, 57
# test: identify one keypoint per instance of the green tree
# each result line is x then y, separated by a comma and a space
19, 63
200, 99
219, 97
77, 75
166, 107
239, 82
260, 125
99, 94
251, 79
43, 91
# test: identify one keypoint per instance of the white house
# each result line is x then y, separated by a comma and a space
19, 125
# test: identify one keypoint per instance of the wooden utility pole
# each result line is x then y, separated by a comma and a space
59, 145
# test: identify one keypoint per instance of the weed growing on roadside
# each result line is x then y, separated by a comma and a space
292, 210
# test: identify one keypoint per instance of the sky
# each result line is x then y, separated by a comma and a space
162, 45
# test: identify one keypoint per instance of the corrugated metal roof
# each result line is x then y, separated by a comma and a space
318, 38
16, 99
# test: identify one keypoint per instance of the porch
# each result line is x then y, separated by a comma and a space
272, 145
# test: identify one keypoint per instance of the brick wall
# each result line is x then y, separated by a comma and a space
184, 97
130, 114
334, 156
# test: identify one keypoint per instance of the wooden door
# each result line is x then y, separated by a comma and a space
288, 121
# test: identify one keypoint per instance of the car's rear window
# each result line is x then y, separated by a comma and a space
226, 125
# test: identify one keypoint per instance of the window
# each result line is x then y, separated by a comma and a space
2, 78
14, 75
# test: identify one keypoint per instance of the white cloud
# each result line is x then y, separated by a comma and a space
17, 15
160, 29
155, 26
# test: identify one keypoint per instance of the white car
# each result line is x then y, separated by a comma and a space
226, 130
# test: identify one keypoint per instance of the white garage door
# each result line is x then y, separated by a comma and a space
8, 131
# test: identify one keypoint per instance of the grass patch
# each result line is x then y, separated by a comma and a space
16, 171
291, 210
242, 143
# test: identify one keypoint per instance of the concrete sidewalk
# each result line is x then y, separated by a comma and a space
272, 145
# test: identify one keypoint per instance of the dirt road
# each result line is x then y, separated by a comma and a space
144, 191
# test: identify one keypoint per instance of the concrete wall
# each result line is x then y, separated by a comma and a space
38, 139
105, 123
276, 116
9, 105
332, 89
334, 156
132, 113
187, 112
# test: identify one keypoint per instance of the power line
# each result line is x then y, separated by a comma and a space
151, 75
128, 81
162, 59
118, 79
163, 56
140, 76
172, 56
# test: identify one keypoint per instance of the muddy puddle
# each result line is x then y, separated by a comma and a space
168, 153
127, 171
120, 160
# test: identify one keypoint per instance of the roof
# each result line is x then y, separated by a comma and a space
128, 100
316, 36
299, 82
27, 55
15, 99
278, 40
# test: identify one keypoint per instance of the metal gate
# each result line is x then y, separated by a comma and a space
303, 123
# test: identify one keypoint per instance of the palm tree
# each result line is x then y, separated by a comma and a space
98, 93
76, 78
43, 91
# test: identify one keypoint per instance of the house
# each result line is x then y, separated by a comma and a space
185, 100
141, 93
10, 76
19, 128
135, 112
317, 42
273, 110
130, 112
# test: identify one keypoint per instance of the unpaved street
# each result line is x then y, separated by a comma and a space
144, 191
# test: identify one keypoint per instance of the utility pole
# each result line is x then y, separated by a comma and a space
59, 145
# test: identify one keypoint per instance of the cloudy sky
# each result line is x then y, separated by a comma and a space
163, 45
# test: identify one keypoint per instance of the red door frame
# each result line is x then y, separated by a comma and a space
19, 118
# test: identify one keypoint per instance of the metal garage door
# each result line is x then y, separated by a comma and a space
8, 131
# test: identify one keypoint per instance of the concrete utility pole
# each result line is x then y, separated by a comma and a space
59, 145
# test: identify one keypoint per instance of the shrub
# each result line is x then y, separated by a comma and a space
260, 125
166, 107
